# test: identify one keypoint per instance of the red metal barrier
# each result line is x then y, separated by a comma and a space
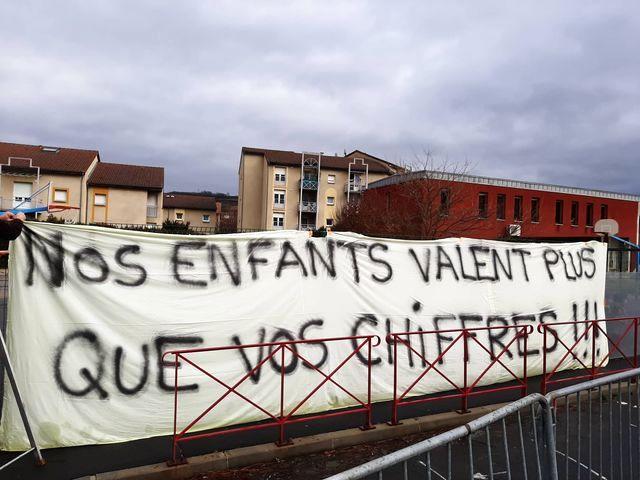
469, 387
595, 369
281, 418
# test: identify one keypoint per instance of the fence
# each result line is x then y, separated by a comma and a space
576, 351
177, 228
469, 387
363, 345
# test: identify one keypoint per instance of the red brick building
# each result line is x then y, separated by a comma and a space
508, 208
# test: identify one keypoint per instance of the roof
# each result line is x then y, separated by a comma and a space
286, 158
189, 200
73, 161
500, 182
127, 176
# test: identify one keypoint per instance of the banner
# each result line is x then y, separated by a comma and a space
92, 310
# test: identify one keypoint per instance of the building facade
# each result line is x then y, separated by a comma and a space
125, 194
81, 188
201, 209
511, 209
290, 190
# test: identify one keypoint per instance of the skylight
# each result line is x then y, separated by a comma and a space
50, 149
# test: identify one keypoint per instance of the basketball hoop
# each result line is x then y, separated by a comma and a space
606, 226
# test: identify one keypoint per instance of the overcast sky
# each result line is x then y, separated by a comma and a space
543, 91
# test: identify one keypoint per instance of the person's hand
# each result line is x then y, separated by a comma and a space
6, 216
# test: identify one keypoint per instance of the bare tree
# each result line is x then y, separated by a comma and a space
427, 202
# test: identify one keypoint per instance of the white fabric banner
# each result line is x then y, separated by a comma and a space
91, 311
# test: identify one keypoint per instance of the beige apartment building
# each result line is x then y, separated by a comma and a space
290, 190
125, 194
77, 186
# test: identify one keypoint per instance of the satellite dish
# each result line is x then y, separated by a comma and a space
606, 226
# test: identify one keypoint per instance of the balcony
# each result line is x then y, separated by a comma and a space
308, 226
309, 184
278, 206
152, 211
354, 187
308, 206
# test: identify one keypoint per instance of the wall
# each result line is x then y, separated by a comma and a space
250, 192
74, 185
123, 206
292, 194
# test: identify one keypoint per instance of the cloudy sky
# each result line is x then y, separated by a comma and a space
544, 91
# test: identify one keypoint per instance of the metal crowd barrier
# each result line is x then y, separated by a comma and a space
596, 428
514, 442
363, 345
584, 431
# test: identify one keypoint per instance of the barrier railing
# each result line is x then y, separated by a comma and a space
596, 427
470, 386
514, 442
591, 329
362, 346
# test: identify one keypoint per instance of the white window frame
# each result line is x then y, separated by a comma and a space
64, 191
280, 176
95, 199
206, 218
331, 178
331, 201
277, 221
329, 222
180, 216
282, 195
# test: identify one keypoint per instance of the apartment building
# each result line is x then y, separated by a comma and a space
281, 189
85, 189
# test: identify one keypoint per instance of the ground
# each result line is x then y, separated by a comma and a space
318, 465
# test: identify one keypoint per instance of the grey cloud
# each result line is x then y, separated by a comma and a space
543, 91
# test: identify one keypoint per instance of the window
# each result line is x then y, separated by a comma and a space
604, 211
280, 176
329, 222
483, 205
278, 199
100, 199
60, 195
179, 216
501, 206
444, 201
574, 213
559, 212
517, 208
331, 179
206, 218
331, 200
589, 214
535, 210
278, 221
